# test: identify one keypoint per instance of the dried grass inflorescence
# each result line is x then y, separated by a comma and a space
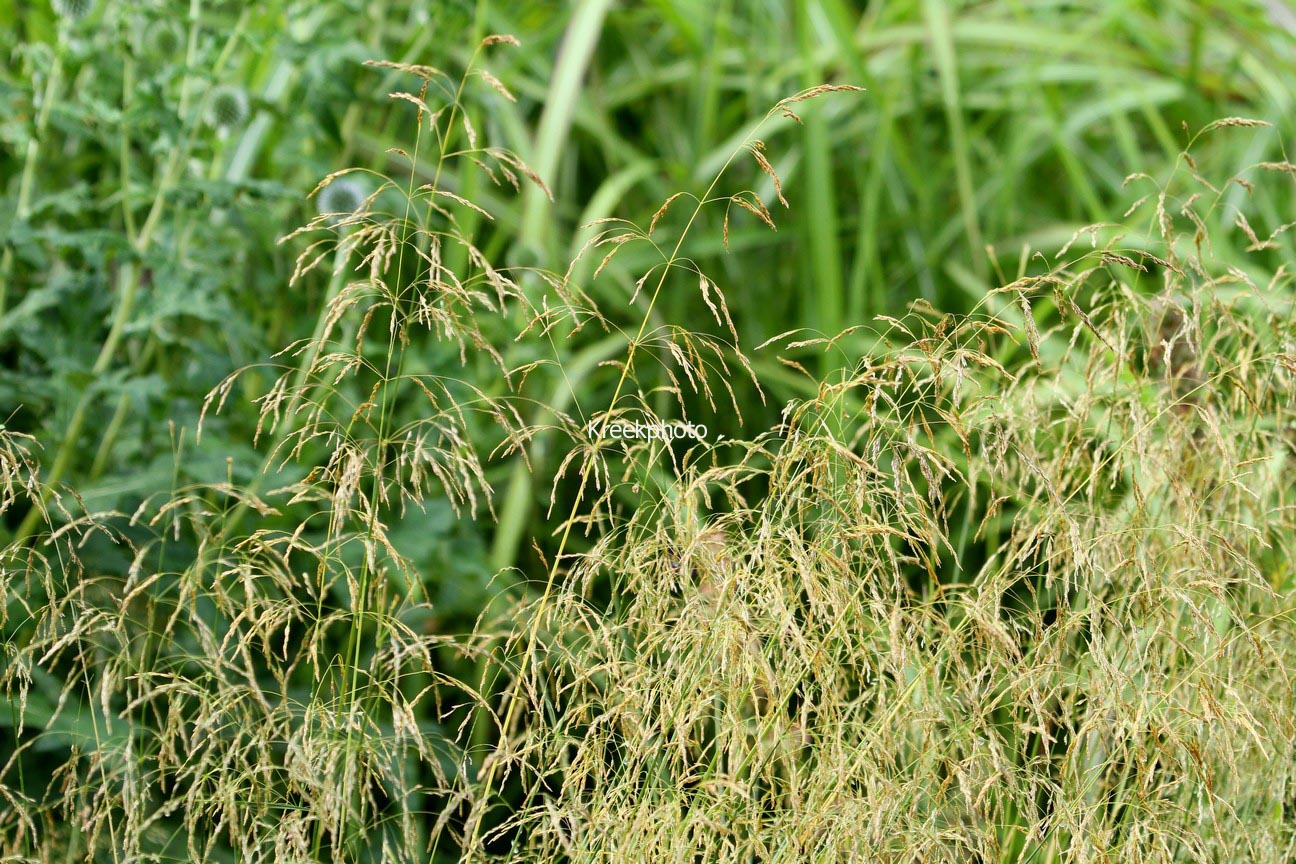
968, 601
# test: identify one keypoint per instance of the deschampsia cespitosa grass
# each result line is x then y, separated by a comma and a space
1014, 585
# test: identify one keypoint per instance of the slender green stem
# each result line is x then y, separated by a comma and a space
124, 148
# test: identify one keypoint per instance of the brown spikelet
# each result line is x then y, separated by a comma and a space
705, 285
413, 100
1032, 332
1245, 122
639, 284
512, 159
1123, 260
425, 72
757, 148
754, 207
497, 85
1256, 243
457, 199
616, 241
661, 211
820, 90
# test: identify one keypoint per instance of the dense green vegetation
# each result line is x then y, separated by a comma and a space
308, 553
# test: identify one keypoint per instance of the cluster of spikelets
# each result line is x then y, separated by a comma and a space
1111, 682
996, 593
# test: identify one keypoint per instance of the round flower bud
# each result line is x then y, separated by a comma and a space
72, 10
228, 107
164, 40
342, 197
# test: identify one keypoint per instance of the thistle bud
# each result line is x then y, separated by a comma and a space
72, 10
228, 107
163, 40
340, 198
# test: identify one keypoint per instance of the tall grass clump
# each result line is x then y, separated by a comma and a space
1011, 585
1014, 587
266, 681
